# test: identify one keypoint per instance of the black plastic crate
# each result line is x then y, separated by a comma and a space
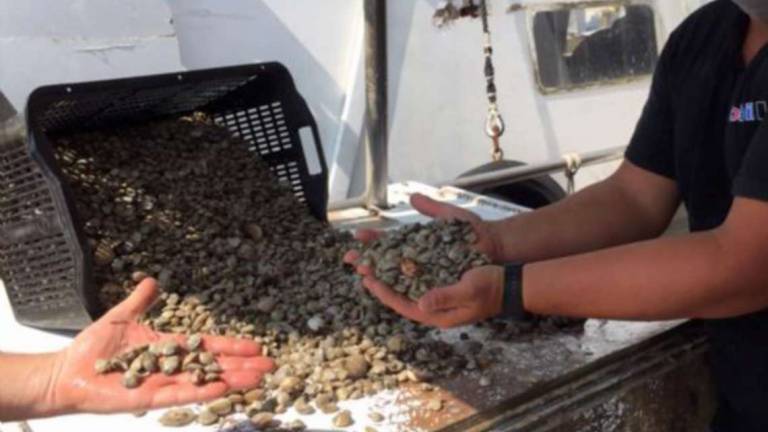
45, 260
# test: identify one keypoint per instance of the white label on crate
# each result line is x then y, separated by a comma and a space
310, 150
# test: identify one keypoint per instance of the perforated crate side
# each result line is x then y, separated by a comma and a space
268, 113
265, 129
37, 263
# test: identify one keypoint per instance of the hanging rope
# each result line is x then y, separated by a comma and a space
494, 124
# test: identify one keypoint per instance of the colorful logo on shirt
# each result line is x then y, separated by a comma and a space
748, 112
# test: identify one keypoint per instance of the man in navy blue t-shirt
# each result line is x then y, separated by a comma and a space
701, 141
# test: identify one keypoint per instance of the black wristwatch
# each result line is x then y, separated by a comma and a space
512, 304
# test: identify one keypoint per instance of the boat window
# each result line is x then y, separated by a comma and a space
584, 44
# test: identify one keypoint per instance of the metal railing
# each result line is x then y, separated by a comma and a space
517, 174
508, 175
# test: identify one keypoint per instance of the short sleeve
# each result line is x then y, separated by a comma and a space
752, 178
652, 144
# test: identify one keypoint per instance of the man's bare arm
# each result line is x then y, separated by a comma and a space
714, 274
631, 205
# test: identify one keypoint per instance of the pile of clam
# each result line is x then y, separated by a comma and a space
167, 357
419, 257
237, 254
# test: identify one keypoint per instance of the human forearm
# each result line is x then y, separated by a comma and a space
584, 222
629, 206
26, 386
694, 276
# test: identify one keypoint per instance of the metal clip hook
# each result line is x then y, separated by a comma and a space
572, 167
494, 125
494, 128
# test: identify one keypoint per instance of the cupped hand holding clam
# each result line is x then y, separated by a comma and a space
477, 296
432, 273
75, 386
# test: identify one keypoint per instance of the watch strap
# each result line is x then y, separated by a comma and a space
512, 301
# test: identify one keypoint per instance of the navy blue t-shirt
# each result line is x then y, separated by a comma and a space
703, 127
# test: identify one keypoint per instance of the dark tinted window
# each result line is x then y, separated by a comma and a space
584, 45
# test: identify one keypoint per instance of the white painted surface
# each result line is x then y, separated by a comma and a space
50, 42
438, 104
